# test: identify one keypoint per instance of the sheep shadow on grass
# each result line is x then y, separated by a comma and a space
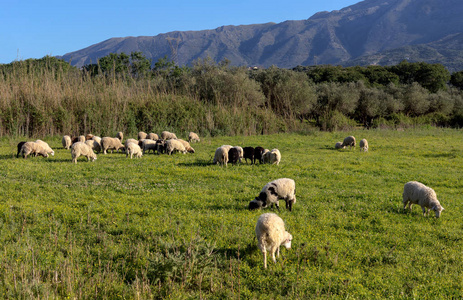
197, 163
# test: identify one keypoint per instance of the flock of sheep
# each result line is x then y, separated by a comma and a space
270, 229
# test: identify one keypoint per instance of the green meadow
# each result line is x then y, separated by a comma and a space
178, 227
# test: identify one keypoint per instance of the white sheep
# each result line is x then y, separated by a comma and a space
272, 157
417, 193
152, 136
363, 145
187, 146
67, 142
174, 145
240, 152
221, 156
94, 145
109, 143
142, 135
339, 145
46, 147
166, 135
349, 141
283, 188
82, 149
127, 141
133, 148
120, 135
271, 234
193, 137
32, 148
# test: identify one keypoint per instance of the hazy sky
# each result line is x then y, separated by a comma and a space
33, 29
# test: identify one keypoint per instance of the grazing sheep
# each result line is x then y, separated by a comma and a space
160, 146
349, 141
97, 139
283, 188
89, 136
417, 193
133, 148
147, 145
94, 145
272, 157
82, 149
46, 147
20, 145
364, 145
248, 152
187, 146
258, 154
166, 135
33, 148
67, 142
142, 135
193, 137
221, 156
339, 145
80, 138
174, 145
153, 136
109, 143
127, 141
240, 152
271, 234
233, 155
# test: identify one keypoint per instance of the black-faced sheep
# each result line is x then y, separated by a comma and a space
271, 234
193, 137
417, 193
283, 188
109, 143
82, 149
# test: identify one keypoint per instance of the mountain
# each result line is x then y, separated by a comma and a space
369, 32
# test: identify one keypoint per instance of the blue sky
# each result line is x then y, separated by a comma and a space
33, 29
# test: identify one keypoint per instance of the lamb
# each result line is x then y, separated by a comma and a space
221, 156
133, 148
46, 147
272, 157
187, 146
248, 152
271, 234
120, 136
364, 145
349, 141
174, 145
166, 135
193, 137
32, 148
126, 143
417, 193
109, 143
142, 135
67, 142
233, 155
339, 145
283, 188
20, 145
82, 149
153, 136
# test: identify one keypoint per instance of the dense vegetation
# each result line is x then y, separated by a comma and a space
129, 93
177, 227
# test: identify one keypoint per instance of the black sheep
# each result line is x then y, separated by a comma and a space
259, 154
20, 145
248, 152
233, 156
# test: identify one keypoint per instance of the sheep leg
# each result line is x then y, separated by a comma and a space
264, 252
424, 211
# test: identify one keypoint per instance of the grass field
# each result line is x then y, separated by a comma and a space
177, 226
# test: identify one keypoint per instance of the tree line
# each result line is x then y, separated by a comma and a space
125, 92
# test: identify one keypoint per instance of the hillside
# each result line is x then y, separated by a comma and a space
371, 31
